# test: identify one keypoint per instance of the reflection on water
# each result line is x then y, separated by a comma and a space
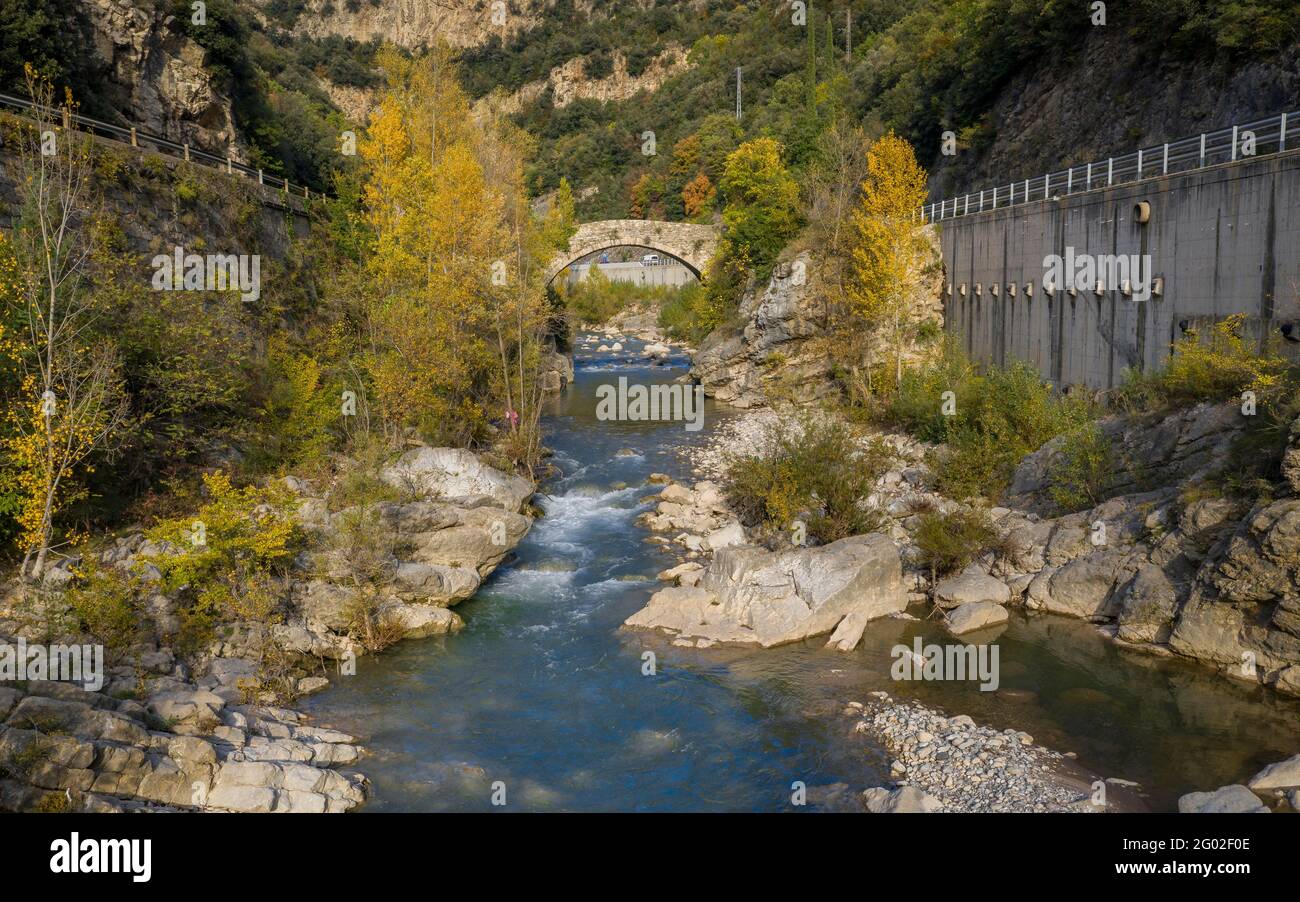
543, 692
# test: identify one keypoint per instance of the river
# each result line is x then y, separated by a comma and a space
543, 696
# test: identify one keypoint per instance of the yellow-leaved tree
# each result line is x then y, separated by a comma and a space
454, 312
889, 251
66, 401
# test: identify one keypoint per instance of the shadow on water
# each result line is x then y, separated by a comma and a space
543, 692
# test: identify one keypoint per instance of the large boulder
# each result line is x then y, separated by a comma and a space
749, 595
454, 473
1147, 605
975, 615
971, 587
1225, 800
1282, 775
1084, 587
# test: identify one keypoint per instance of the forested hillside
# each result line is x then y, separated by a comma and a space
290, 74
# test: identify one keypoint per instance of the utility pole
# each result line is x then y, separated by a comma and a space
737, 93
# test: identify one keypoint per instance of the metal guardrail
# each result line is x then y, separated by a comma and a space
1253, 139
145, 141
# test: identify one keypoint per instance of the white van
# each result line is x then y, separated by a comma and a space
650, 260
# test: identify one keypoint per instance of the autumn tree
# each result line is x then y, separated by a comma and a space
455, 302
698, 195
68, 402
890, 250
762, 210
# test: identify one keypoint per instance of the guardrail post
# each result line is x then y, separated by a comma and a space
1202, 150
1069, 181
229, 168
1088, 186
187, 152
1026, 200
1139, 165
1234, 144
1281, 140
1047, 186
134, 142
981, 200
260, 179
1164, 169
1110, 171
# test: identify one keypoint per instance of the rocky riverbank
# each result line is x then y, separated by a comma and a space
207, 729
1168, 563
941, 763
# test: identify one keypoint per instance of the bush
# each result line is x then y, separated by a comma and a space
598, 299
1219, 368
1083, 469
229, 558
949, 542
813, 471
106, 604
988, 423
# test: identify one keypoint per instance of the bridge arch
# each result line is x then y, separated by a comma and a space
691, 243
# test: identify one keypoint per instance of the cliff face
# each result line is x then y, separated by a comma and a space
569, 82
412, 23
777, 347
154, 76
1113, 98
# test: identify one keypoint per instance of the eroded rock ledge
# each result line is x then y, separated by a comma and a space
750, 596
206, 731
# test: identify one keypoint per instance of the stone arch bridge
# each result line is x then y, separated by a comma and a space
690, 243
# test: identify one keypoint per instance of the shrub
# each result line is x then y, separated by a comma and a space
1219, 368
1082, 470
598, 299
106, 604
814, 471
229, 557
987, 424
949, 542
242, 529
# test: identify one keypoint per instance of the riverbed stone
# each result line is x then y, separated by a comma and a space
1282, 775
971, 587
976, 615
1235, 799
904, 800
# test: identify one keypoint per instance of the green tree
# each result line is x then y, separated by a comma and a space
762, 209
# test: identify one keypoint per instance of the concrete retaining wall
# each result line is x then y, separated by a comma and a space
1225, 240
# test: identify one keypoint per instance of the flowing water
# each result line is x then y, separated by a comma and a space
543, 692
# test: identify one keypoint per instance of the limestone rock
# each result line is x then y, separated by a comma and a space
904, 800
975, 615
1226, 800
752, 596
452, 473
1282, 775
971, 588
